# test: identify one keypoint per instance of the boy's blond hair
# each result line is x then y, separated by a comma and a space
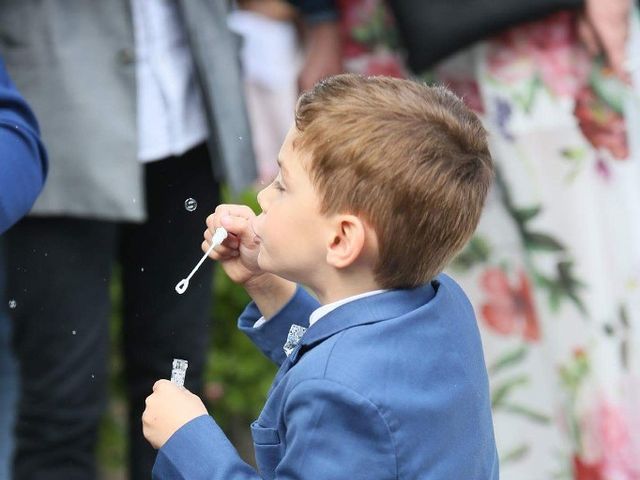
411, 160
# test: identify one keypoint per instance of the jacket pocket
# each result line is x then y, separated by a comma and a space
266, 442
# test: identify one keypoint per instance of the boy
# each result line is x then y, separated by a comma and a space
381, 182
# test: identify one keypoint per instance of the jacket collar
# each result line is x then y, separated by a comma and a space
373, 309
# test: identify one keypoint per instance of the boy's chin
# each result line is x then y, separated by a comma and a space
266, 265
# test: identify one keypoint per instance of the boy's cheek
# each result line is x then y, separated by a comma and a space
260, 259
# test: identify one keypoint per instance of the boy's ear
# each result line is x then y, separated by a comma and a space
347, 242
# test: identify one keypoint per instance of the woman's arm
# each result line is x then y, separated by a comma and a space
23, 160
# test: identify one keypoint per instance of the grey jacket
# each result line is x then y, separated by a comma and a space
74, 62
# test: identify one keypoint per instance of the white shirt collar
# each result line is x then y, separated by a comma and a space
320, 312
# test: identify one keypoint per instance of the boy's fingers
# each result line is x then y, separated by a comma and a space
221, 252
205, 248
239, 226
145, 419
235, 211
231, 241
210, 221
242, 211
160, 383
228, 245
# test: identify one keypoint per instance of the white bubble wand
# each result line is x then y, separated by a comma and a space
218, 237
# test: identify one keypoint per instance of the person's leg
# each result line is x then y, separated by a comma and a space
58, 275
159, 324
8, 379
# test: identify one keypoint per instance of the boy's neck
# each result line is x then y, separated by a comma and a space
342, 285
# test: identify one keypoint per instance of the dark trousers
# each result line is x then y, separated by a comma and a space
59, 272
8, 378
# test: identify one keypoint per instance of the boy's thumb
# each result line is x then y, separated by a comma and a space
239, 227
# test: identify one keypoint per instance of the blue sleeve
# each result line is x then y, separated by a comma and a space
199, 450
332, 433
23, 160
315, 11
271, 336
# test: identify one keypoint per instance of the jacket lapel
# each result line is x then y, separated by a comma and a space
376, 308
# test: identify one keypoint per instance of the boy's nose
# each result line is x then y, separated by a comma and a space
261, 198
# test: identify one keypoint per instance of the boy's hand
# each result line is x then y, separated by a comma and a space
238, 254
169, 407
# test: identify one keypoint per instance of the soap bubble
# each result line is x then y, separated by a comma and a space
12, 304
73, 332
190, 204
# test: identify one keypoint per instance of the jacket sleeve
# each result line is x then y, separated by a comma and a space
333, 433
271, 336
315, 11
200, 451
23, 160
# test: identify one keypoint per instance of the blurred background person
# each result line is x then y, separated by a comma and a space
272, 56
271, 59
24, 160
141, 106
24, 168
554, 270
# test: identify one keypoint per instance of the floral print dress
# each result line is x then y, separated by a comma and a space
553, 271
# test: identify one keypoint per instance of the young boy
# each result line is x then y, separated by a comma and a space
381, 182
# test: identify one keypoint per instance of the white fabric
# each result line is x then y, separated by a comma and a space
271, 60
320, 312
270, 54
171, 116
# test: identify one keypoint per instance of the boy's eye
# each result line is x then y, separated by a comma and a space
278, 186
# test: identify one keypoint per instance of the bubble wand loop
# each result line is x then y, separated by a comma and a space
218, 237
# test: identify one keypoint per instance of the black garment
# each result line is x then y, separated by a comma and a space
59, 272
434, 29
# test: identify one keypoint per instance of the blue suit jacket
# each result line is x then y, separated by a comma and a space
23, 161
391, 386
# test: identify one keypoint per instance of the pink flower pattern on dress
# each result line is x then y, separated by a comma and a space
509, 308
607, 443
601, 125
586, 471
467, 89
547, 48
384, 64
